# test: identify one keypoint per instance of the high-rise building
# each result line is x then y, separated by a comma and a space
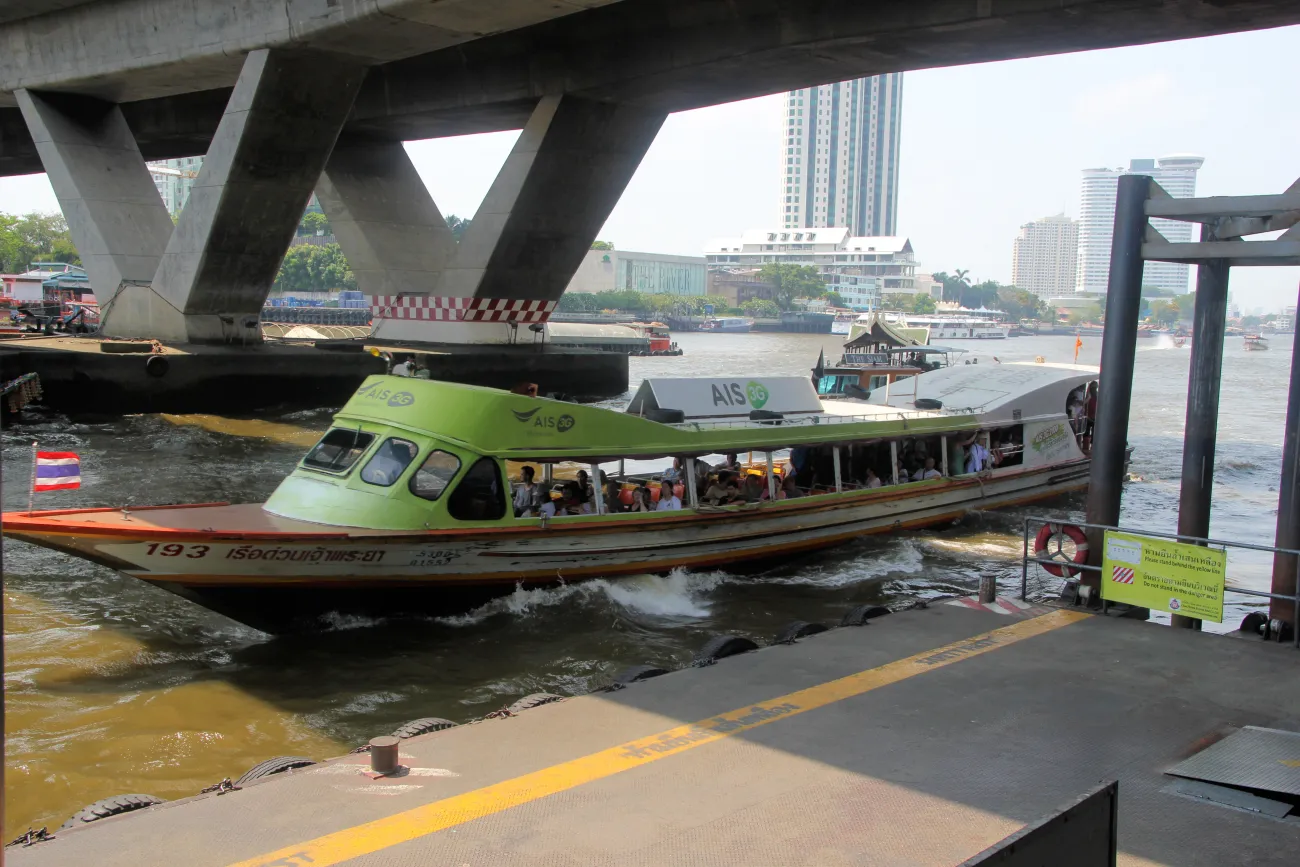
841, 156
1043, 257
1177, 174
174, 178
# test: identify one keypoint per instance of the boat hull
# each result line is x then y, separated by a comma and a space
285, 583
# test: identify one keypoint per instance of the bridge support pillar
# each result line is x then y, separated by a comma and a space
270, 146
395, 239
115, 217
559, 184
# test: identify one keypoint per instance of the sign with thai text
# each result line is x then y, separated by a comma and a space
1165, 576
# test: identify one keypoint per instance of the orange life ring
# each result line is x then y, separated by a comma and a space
1056, 562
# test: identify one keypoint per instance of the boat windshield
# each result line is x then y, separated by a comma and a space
338, 450
433, 476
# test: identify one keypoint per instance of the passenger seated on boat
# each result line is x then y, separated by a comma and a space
927, 471
402, 367
571, 502
789, 488
873, 480
642, 500
729, 462
585, 492
723, 491
527, 494
668, 499
753, 488
613, 502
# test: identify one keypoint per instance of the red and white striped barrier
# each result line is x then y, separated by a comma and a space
438, 308
1001, 605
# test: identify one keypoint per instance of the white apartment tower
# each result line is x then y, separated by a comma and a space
1043, 257
841, 156
174, 178
1177, 174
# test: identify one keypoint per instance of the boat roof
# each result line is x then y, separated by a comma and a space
502, 424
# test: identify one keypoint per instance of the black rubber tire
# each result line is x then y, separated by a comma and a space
1253, 622
860, 615
277, 765
114, 806
422, 726
722, 646
798, 629
637, 673
157, 366
537, 699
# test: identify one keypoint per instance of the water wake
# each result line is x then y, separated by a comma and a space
905, 557
679, 594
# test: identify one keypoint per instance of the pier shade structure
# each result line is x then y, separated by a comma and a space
1226, 222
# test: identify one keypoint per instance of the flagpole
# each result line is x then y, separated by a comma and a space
31, 491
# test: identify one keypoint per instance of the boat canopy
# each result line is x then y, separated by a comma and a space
726, 397
879, 334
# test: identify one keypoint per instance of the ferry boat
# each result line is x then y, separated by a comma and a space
842, 322
1254, 343
405, 503
959, 327
728, 325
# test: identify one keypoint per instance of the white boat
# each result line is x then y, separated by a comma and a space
728, 325
843, 323
948, 327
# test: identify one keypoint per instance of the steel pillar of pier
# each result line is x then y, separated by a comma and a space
1118, 350
1200, 431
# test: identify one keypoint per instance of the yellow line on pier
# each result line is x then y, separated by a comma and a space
459, 809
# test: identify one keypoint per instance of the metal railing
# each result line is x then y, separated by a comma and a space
1068, 565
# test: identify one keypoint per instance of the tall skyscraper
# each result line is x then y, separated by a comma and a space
841, 156
1177, 174
1043, 257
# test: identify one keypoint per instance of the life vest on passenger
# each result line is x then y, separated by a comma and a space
1056, 562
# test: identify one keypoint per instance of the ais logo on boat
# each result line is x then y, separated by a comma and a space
533, 417
731, 394
399, 398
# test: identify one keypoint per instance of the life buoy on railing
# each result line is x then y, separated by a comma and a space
1056, 560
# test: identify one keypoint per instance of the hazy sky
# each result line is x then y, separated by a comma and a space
985, 148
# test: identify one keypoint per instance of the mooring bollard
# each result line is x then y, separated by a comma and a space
988, 589
383, 754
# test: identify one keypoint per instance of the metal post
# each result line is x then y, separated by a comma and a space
771, 479
1286, 566
1201, 428
943, 440
548, 475
692, 495
893, 459
597, 489
1118, 348
835, 460
1024, 565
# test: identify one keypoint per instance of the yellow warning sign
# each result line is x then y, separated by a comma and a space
1165, 576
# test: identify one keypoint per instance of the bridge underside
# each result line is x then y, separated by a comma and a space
589, 82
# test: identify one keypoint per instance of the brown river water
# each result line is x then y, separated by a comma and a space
114, 687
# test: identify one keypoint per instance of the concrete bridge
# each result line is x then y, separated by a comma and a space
289, 96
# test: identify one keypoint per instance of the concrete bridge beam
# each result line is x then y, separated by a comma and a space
115, 216
270, 147
395, 239
557, 187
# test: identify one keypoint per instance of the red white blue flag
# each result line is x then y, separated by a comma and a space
57, 471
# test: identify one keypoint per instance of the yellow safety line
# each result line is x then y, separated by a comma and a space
458, 809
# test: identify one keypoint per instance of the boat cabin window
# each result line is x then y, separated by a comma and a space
389, 462
338, 450
833, 383
433, 476
480, 495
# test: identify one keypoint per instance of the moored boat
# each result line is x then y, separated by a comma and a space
404, 504
728, 325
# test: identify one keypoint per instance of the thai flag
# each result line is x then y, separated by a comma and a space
57, 471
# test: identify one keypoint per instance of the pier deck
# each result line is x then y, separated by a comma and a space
922, 738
